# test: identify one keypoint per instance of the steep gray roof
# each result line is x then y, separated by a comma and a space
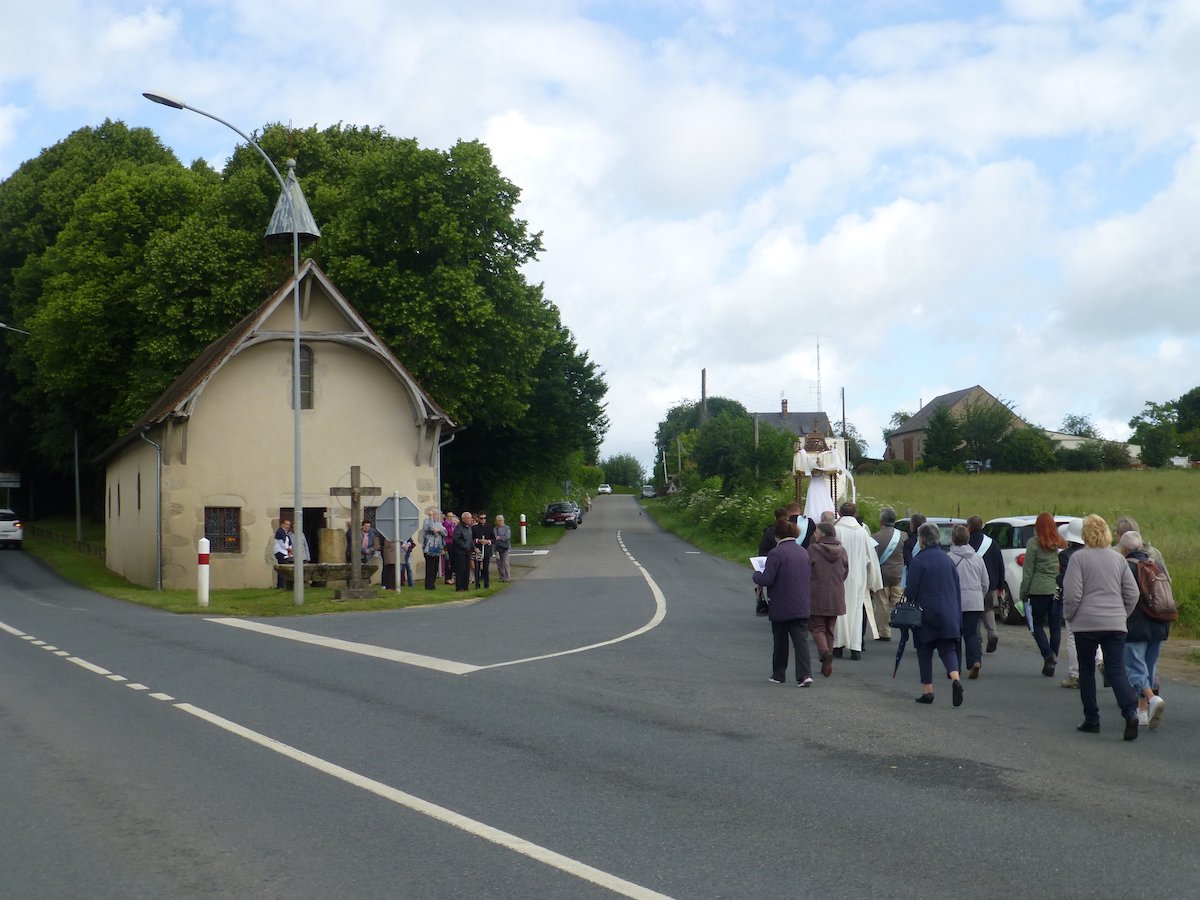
920, 421
798, 423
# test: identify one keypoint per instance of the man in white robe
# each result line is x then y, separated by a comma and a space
864, 578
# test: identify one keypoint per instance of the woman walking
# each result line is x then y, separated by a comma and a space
1039, 586
1099, 594
933, 586
788, 576
433, 542
1143, 640
827, 595
973, 587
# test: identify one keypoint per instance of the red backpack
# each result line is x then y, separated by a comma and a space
1156, 598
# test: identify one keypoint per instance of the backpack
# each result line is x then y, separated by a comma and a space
1157, 599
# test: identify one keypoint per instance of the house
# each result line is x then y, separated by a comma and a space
908, 441
219, 442
797, 423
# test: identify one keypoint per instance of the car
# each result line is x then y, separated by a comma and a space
578, 512
648, 490
945, 524
975, 466
1012, 533
12, 533
561, 512
604, 489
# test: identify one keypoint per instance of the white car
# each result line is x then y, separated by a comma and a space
1012, 533
604, 489
12, 534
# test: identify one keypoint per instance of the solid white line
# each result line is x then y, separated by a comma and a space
440, 813
13, 631
413, 659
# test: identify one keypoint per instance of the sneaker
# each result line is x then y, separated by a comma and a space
958, 692
1155, 712
1071, 682
1143, 717
775, 680
807, 682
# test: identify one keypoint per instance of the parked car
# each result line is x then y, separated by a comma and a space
974, 466
1012, 533
12, 534
648, 490
604, 489
561, 512
578, 512
945, 524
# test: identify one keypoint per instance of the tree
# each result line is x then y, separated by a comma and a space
1025, 450
898, 418
942, 448
856, 447
725, 447
983, 424
1187, 425
1154, 430
623, 469
1080, 426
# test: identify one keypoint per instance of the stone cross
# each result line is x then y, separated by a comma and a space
355, 492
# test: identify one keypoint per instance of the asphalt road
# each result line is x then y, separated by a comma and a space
603, 727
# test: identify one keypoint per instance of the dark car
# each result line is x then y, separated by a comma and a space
945, 525
561, 512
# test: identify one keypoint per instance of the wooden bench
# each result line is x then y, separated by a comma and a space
320, 574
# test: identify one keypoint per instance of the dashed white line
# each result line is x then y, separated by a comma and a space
158, 695
84, 664
134, 686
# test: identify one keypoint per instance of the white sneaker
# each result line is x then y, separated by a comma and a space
1157, 705
1143, 718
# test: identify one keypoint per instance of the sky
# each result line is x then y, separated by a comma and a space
868, 202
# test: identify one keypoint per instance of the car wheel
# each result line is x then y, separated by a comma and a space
1006, 610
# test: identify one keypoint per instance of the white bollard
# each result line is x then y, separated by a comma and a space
523, 529
202, 573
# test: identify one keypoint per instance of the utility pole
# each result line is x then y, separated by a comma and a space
703, 396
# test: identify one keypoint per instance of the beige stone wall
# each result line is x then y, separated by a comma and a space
130, 511
239, 454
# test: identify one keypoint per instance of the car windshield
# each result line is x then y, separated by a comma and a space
560, 507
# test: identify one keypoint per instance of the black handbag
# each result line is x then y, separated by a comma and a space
905, 614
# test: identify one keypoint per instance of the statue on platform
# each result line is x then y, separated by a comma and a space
824, 461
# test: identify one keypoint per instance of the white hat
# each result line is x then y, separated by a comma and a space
1072, 531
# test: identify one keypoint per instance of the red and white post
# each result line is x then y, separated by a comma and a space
202, 573
523, 533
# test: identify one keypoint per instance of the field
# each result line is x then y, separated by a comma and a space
1161, 500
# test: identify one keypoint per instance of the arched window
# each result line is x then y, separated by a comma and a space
306, 377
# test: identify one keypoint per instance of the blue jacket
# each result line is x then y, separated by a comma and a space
933, 586
787, 577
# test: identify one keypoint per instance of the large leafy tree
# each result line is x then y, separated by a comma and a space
1025, 450
124, 264
623, 469
943, 443
1154, 430
1079, 425
982, 424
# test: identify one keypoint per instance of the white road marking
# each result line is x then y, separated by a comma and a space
91, 667
432, 810
450, 666
158, 695
48, 647
62, 652
134, 686
117, 678
13, 631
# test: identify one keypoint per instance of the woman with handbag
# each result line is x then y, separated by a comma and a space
788, 575
933, 585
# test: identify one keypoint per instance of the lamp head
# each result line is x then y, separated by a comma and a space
164, 99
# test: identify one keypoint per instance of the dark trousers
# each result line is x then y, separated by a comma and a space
1113, 645
974, 645
282, 559
388, 578
947, 649
483, 569
795, 630
1047, 612
461, 560
433, 565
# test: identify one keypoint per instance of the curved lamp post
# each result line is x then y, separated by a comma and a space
292, 217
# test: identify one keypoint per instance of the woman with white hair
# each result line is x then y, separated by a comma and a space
1099, 593
433, 542
1144, 640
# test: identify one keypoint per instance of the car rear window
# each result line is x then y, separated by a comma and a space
7, 516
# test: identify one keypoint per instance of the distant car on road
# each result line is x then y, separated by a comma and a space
1012, 533
12, 533
604, 489
561, 512
648, 490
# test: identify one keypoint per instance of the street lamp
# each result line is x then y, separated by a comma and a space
292, 217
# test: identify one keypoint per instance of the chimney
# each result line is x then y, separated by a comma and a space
783, 412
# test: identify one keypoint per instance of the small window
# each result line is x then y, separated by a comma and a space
223, 528
306, 378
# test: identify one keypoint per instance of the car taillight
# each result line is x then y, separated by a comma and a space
1020, 559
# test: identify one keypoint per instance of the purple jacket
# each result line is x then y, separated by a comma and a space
787, 577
